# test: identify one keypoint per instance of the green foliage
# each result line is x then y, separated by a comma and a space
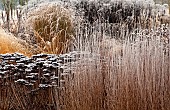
23, 2
9, 6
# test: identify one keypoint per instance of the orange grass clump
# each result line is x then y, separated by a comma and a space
10, 44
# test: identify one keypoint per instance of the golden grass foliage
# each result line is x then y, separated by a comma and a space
52, 27
10, 44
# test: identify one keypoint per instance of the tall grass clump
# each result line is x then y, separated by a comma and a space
53, 28
136, 78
